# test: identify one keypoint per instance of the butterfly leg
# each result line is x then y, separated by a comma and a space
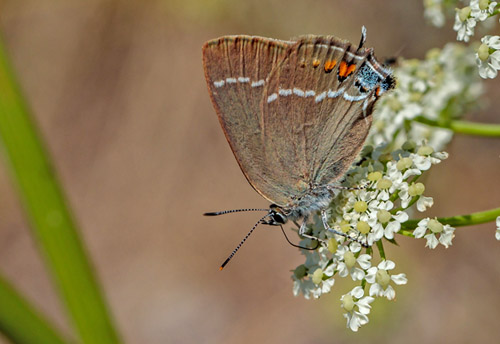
303, 229
324, 218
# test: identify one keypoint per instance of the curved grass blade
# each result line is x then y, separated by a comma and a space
52, 224
20, 323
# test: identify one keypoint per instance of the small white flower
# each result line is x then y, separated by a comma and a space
424, 202
464, 24
347, 261
357, 308
497, 233
433, 228
379, 278
313, 285
488, 57
323, 285
392, 223
423, 163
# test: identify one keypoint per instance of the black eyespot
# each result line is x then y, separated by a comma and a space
361, 88
389, 83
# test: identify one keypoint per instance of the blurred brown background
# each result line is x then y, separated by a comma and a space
118, 90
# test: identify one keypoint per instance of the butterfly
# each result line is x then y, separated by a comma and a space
295, 114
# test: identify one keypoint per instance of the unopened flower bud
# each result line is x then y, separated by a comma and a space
360, 206
345, 226
483, 52
382, 278
404, 163
332, 245
384, 183
363, 227
464, 13
384, 216
483, 4
317, 276
349, 259
435, 226
425, 150
348, 302
300, 271
416, 189
374, 176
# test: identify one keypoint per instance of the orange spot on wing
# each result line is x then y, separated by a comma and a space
343, 69
316, 63
377, 91
350, 69
329, 65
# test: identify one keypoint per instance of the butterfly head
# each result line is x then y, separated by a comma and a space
277, 216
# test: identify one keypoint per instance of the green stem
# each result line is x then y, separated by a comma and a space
406, 233
52, 223
460, 220
464, 127
20, 323
380, 247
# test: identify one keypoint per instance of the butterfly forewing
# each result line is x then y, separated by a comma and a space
237, 69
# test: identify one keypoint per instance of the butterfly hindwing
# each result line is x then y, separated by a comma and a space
316, 115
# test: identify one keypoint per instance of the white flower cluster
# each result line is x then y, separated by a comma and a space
440, 88
466, 19
367, 216
433, 12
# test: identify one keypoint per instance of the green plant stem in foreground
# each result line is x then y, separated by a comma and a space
51, 222
20, 322
380, 247
460, 220
465, 127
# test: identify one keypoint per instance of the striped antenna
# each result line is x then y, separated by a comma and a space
216, 213
241, 243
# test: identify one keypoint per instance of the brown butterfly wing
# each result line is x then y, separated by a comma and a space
315, 121
236, 70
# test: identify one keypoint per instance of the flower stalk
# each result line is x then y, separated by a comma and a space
464, 127
459, 220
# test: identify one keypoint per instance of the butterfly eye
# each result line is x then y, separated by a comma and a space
278, 218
